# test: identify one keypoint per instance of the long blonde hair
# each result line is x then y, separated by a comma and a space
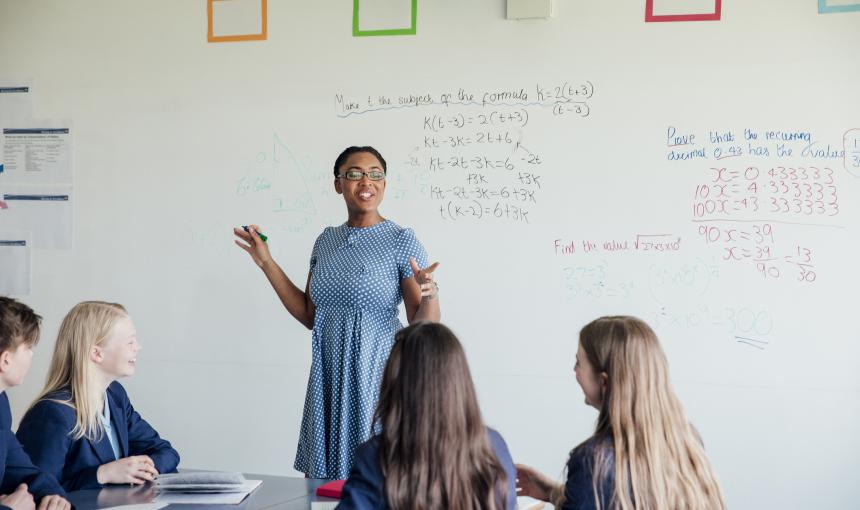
659, 459
87, 324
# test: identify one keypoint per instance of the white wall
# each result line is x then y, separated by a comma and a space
170, 131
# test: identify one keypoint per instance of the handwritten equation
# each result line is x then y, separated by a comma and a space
784, 191
437, 122
746, 326
739, 209
762, 191
470, 157
594, 281
756, 244
678, 291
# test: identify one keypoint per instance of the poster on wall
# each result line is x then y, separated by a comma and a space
16, 101
36, 152
16, 263
16, 104
43, 210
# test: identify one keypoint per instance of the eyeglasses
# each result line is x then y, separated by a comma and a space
357, 175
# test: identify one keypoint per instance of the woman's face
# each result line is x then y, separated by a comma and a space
592, 383
361, 196
116, 357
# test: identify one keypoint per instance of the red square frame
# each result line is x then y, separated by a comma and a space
651, 18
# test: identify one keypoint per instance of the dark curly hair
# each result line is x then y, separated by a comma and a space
349, 151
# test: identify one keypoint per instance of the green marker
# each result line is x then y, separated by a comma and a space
262, 235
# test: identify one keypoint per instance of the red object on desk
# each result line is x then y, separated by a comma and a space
331, 489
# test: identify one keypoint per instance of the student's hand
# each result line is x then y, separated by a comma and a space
54, 502
134, 470
19, 500
534, 484
424, 278
256, 247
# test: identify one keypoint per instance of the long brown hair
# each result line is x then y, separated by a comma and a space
659, 460
434, 449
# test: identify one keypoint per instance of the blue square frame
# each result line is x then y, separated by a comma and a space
823, 8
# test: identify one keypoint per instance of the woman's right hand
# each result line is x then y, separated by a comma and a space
134, 470
21, 499
533, 483
256, 247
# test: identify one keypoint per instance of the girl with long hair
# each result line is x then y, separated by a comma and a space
644, 454
82, 428
432, 450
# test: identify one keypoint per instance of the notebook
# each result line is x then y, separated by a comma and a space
332, 489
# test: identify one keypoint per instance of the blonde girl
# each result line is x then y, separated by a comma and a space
644, 453
82, 428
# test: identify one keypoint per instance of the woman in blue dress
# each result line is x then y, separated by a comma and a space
360, 272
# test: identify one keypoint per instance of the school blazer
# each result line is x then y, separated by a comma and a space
16, 467
365, 487
45, 433
579, 488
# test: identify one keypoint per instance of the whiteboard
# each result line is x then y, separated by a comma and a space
640, 136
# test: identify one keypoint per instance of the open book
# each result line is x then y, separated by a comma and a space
206, 482
204, 487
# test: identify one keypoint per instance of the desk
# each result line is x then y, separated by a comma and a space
276, 493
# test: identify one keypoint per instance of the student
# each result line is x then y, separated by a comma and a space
644, 454
82, 428
22, 482
433, 450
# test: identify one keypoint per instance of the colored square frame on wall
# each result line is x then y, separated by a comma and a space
262, 36
357, 32
823, 8
651, 18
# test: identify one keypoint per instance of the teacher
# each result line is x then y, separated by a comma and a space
360, 272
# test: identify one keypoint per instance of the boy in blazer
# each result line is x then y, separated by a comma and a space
23, 484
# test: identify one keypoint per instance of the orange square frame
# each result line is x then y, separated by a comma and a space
246, 37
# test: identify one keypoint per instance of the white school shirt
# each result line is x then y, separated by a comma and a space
111, 433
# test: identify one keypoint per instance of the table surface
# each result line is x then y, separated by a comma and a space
275, 493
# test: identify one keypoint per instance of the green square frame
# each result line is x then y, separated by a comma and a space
357, 32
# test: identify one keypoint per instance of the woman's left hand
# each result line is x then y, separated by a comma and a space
424, 278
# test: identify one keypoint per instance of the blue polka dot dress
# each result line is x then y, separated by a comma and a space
355, 285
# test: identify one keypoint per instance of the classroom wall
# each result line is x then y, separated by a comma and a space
630, 128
